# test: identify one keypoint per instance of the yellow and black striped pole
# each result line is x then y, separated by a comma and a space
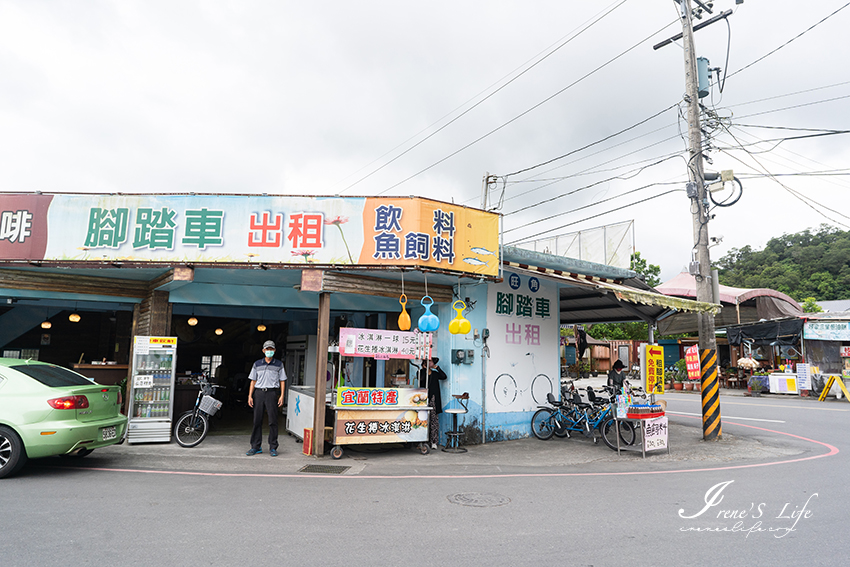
710, 395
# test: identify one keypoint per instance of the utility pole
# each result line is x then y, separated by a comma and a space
699, 210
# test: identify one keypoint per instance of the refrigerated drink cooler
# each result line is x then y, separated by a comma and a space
152, 389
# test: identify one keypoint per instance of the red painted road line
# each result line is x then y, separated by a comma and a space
832, 451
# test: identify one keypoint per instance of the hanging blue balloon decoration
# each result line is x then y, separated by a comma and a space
428, 322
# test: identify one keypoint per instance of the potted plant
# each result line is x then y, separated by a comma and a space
583, 368
678, 382
755, 386
669, 377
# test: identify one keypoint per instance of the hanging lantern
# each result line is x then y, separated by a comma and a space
261, 327
219, 331
192, 321
46, 324
74, 317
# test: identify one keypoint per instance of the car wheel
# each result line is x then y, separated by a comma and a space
12, 454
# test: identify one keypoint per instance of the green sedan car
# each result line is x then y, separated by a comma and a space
48, 410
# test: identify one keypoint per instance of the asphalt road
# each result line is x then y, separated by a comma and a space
773, 492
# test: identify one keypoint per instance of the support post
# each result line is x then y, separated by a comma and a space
321, 371
699, 211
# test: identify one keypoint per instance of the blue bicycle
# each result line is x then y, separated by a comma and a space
562, 418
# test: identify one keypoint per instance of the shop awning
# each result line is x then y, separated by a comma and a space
740, 305
592, 299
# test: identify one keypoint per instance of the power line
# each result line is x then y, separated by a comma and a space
797, 194
539, 104
594, 184
525, 239
827, 130
614, 135
795, 106
780, 140
776, 153
590, 169
787, 42
470, 109
789, 94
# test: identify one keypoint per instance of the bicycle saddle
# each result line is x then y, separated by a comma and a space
577, 400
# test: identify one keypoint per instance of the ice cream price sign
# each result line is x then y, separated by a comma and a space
655, 433
376, 343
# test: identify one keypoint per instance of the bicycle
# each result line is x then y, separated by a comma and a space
192, 426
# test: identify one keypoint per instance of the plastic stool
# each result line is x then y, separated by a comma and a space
453, 437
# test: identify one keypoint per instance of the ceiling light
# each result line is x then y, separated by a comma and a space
261, 327
219, 331
192, 321
46, 324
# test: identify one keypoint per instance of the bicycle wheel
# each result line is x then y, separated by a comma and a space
561, 423
504, 389
627, 433
542, 425
190, 430
540, 386
608, 430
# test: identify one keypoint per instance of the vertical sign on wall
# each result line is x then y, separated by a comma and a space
522, 315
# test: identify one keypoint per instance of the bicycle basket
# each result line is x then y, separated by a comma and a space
210, 405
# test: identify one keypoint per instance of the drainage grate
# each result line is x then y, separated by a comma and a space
479, 499
323, 469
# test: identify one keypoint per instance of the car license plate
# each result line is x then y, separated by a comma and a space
108, 433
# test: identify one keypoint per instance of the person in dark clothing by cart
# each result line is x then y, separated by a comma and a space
616, 377
265, 394
435, 399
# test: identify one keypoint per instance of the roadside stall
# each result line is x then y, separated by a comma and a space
380, 415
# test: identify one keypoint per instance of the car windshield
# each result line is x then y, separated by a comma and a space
53, 376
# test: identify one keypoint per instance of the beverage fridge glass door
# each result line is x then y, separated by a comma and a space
152, 393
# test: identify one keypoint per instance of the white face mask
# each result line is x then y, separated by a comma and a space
269, 353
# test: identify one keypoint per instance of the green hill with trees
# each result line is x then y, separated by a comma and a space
803, 265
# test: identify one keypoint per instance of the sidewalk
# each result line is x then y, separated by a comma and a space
225, 454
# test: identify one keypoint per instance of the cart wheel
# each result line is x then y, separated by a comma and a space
336, 452
424, 448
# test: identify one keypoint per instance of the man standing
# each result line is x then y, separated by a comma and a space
266, 395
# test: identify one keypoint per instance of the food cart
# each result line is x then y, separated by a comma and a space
381, 415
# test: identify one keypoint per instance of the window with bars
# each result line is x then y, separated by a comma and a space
210, 363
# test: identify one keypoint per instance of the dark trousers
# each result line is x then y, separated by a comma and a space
265, 401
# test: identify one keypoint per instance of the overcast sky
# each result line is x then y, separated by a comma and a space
312, 98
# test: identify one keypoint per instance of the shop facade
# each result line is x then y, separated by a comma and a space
224, 273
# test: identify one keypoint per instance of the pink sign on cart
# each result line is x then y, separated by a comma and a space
692, 362
380, 344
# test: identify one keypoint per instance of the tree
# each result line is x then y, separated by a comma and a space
806, 264
650, 272
810, 306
